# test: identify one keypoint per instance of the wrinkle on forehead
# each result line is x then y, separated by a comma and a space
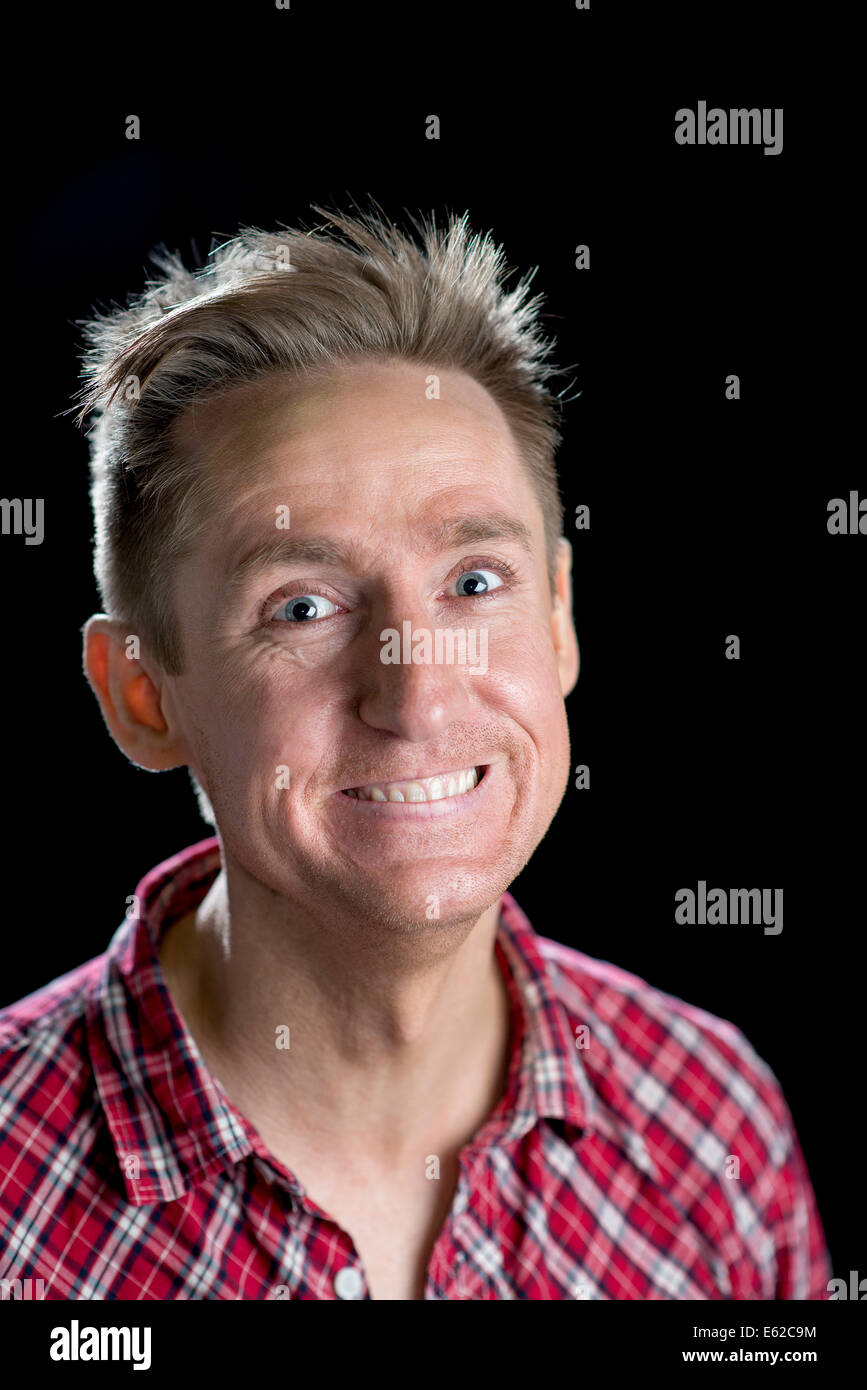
251, 418
240, 439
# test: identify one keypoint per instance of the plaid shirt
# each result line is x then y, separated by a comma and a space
642, 1150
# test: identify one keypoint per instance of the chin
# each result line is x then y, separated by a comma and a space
424, 901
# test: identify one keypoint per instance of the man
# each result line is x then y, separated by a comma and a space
326, 1055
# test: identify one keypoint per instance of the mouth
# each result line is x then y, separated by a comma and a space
442, 786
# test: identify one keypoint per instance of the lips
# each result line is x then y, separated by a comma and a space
438, 787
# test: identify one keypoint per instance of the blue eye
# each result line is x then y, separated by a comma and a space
478, 581
304, 608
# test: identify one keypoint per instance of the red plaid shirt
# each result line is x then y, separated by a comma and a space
641, 1150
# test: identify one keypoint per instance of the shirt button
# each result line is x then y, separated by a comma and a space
348, 1282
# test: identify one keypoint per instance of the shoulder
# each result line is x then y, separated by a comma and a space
51, 1009
46, 1080
686, 1096
675, 1066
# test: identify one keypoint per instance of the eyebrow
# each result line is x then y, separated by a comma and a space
318, 550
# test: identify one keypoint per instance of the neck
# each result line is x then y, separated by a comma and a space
397, 1039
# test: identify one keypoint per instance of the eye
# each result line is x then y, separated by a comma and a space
305, 608
474, 582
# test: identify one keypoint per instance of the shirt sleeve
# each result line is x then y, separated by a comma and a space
803, 1265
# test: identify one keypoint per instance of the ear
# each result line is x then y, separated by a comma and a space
130, 696
562, 625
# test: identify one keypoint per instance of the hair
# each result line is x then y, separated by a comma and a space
292, 301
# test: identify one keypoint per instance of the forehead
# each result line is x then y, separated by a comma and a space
362, 437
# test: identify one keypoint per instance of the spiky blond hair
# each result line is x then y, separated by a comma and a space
297, 301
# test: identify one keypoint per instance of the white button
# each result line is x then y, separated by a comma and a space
348, 1282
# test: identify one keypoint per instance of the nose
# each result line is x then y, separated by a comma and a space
416, 700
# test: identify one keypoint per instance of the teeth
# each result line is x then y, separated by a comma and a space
425, 789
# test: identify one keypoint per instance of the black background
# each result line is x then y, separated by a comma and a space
708, 516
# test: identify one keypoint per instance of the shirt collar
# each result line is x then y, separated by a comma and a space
171, 1123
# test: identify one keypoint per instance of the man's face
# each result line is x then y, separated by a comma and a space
401, 509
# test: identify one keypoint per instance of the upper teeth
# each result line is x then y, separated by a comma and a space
425, 789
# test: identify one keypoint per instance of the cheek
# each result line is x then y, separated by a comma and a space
523, 674
264, 718
531, 685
